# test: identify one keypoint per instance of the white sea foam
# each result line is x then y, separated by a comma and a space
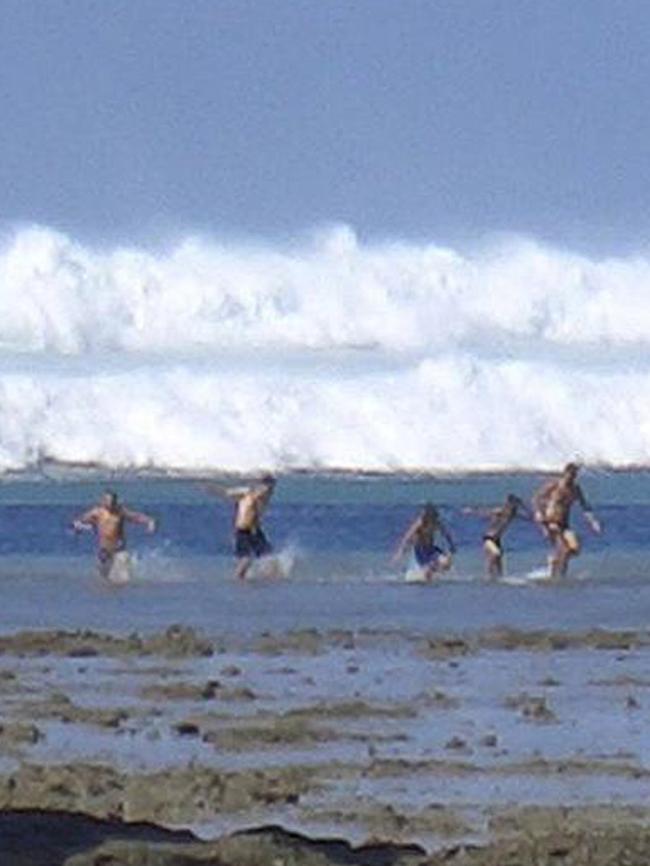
237, 356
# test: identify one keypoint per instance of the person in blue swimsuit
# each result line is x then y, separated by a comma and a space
421, 538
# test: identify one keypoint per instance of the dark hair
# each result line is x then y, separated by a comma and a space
429, 510
268, 479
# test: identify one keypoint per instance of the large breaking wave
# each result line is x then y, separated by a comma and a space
322, 353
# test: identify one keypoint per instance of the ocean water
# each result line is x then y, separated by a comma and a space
338, 533
319, 353
424, 372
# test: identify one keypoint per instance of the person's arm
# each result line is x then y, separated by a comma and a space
587, 510
405, 540
540, 498
523, 512
225, 492
138, 517
446, 534
87, 520
479, 511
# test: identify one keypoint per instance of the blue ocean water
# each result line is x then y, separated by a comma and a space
339, 533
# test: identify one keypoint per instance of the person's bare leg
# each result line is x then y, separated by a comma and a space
496, 566
437, 566
494, 559
431, 570
556, 558
562, 558
105, 563
243, 565
570, 547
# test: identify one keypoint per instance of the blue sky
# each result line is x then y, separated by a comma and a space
412, 118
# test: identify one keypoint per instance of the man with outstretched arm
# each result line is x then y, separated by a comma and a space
552, 508
250, 503
108, 520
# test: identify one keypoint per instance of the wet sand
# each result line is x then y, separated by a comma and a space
375, 746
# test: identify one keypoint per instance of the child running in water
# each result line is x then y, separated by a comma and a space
500, 519
421, 537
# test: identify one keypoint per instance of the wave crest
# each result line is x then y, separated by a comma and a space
330, 292
234, 356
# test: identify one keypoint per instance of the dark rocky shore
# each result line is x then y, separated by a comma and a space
508, 748
36, 838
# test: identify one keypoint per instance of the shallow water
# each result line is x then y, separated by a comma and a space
339, 533
423, 729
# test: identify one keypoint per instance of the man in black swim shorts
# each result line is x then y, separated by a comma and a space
250, 541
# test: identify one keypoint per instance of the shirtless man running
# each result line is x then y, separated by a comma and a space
552, 506
250, 503
108, 520
500, 519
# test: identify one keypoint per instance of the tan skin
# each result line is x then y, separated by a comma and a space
500, 519
250, 504
423, 531
108, 519
552, 504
